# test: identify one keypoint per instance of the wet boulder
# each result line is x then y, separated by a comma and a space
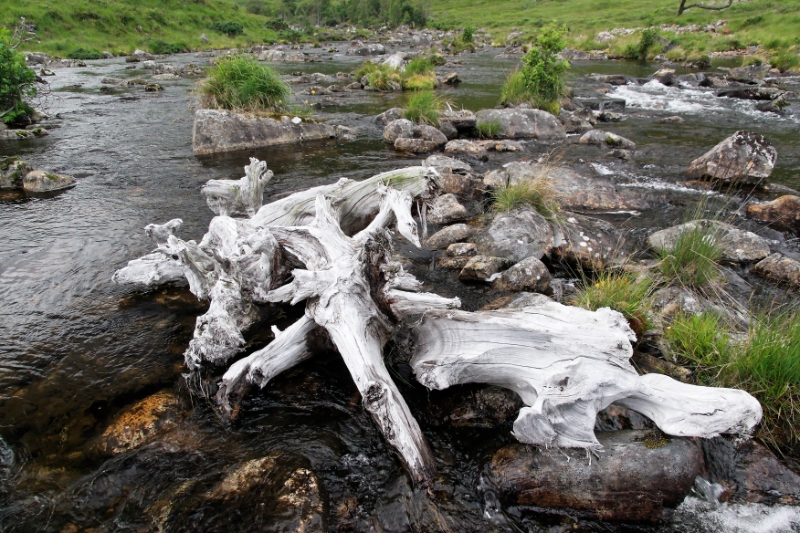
463, 120
761, 478
778, 269
743, 157
606, 138
466, 148
748, 74
482, 268
217, 132
637, 475
395, 129
139, 424
12, 171
389, 115
447, 209
409, 137
456, 177
784, 212
529, 275
738, 246
518, 123
483, 408
395, 61
665, 76
590, 242
449, 235
495, 179
516, 235
39, 181
574, 191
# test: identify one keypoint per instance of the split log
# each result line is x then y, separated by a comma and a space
567, 364
242, 197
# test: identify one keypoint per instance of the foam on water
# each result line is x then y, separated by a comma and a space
739, 518
655, 96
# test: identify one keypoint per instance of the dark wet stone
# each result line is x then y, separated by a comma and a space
637, 475
783, 212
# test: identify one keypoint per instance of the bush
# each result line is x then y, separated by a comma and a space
240, 83
277, 24
84, 53
228, 27
160, 47
257, 7
379, 77
642, 48
537, 193
423, 107
540, 80
786, 61
693, 260
469, 34
625, 292
17, 82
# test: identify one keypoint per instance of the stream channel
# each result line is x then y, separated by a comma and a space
75, 349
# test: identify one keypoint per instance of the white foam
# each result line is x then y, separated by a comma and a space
656, 96
601, 169
740, 518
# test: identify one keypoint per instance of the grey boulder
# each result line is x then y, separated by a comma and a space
523, 123
744, 157
737, 246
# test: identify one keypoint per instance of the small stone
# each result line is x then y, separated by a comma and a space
139, 424
495, 179
783, 212
461, 249
447, 209
466, 148
153, 88
675, 119
779, 269
600, 138
449, 235
530, 274
481, 268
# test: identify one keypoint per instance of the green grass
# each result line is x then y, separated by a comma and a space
419, 75
423, 107
241, 83
380, 77
772, 23
626, 292
537, 193
488, 130
693, 259
766, 364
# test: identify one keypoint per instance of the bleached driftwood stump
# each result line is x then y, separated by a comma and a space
329, 246
567, 364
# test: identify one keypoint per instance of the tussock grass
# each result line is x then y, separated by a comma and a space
693, 259
488, 130
240, 83
766, 364
537, 193
423, 107
626, 292
419, 75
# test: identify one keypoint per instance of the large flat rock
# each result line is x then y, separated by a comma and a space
523, 123
217, 132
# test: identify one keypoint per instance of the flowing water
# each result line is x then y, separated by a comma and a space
75, 348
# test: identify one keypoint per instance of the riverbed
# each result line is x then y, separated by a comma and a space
75, 349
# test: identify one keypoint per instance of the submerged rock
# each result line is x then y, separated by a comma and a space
743, 157
390, 115
217, 132
516, 235
12, 172
139, 424
606, 138
779, 269
737, 245
39, 181
637, 475
783, 212
762, 478
523, 123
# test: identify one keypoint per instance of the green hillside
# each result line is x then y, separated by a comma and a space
67, 26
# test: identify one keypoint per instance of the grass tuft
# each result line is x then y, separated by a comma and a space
423, 107
693, 259
537, 193
489, 130
240, 83
626, 292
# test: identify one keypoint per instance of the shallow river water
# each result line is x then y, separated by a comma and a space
75, 348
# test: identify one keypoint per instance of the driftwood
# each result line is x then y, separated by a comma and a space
329, 247
567, 364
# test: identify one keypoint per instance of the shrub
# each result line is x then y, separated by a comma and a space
751, 60
786, 61
702, 339
537, 193
84, 53
423, 107
241, 83
469, 34
488, 130
642, 48
677, 54
277, 24
160, 47
625, 292
228, 27
540, 80
17, 82
257, 7
693, 259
